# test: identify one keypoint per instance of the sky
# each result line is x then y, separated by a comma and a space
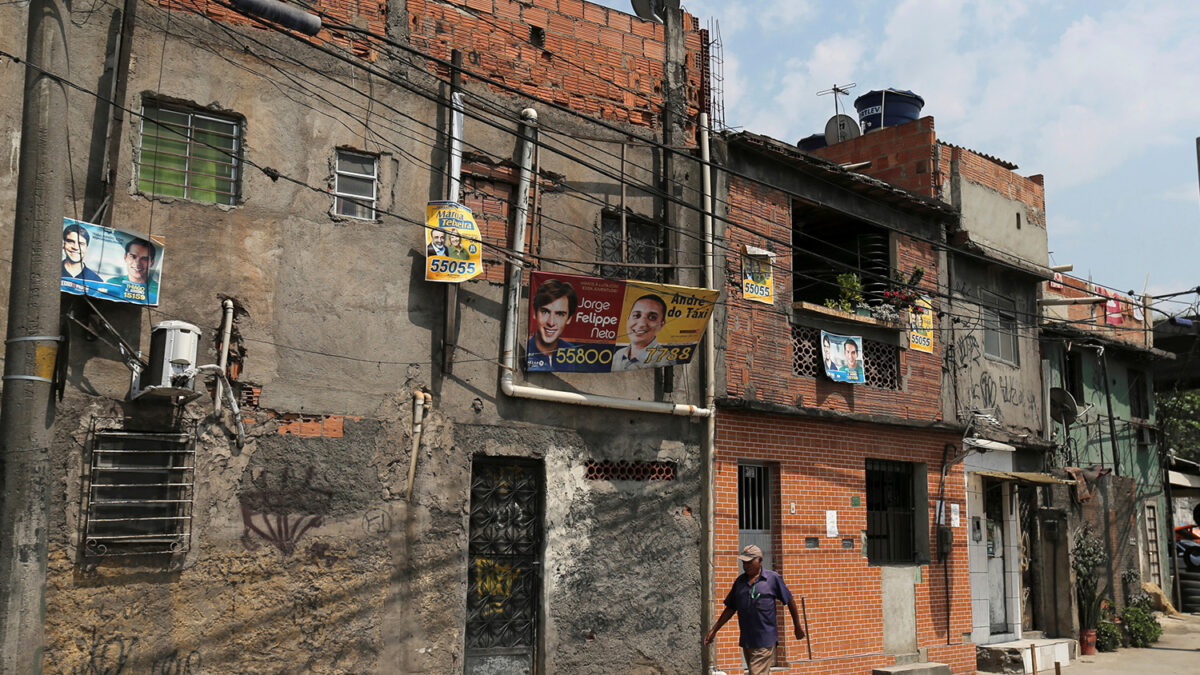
1102, 98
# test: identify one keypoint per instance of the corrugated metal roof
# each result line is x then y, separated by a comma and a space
994, 160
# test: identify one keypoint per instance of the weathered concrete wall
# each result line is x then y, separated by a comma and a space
1013, 390
339, 329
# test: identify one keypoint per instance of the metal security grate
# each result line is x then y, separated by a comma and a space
606, 470
881, 365
891, 533
139, 493
881, 362
806, 351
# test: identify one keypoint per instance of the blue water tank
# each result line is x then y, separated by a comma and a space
887, 107
814, 142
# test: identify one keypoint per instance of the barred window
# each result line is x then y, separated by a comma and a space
356, 185
641, 246
189, 154
891, 506
138, 493
609, 470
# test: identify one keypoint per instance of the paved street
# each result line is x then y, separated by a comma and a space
1177, 652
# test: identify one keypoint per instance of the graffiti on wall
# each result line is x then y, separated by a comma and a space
280, 511
116, 655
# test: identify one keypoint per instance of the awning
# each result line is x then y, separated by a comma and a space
1030, 477
1184, 480
985, 444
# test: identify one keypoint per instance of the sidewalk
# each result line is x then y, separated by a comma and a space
1177, 652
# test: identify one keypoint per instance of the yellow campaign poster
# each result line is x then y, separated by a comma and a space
591, 325
920, 326
453, 252
758, 281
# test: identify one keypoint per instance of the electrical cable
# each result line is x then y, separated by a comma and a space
369, 71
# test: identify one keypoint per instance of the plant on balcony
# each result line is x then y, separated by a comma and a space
903, 295
850, 293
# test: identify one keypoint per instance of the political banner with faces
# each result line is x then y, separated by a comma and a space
592, 325
843, 357
110, 263
920, 325
453, 252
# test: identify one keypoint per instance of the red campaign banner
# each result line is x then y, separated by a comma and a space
587, 324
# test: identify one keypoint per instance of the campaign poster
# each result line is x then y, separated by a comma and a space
110, 263
920, 326
1112, 306
843, 357
592, 325
757, 278
453, 252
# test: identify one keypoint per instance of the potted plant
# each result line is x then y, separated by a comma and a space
1087, 558
850, 293
902, 295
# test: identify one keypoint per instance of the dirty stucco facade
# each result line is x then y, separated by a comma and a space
339, 328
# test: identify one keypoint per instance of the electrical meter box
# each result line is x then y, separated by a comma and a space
173, 346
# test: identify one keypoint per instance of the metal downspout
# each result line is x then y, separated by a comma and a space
513, 301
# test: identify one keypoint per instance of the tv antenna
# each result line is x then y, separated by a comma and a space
838, 90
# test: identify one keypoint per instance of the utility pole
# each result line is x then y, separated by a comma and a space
27, 403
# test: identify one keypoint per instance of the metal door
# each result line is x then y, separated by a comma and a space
504, 567
754, 510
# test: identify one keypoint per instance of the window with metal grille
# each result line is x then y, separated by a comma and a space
138, 493
1000, 327
356, 185
754, 509
891, 530
806, 351
189, 154
608, 470
881, 361
881, 365
634, 248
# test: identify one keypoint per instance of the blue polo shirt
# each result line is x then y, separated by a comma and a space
756, 608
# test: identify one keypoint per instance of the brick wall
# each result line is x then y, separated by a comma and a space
598, 61
821, 466
979, 169
369, 14
906, 155
1092, 317
758, 357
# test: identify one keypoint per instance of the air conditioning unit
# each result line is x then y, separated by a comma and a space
171, 372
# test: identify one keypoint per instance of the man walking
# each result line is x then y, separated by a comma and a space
753, 597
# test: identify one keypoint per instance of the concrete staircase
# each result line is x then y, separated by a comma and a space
1013, 658
926, 668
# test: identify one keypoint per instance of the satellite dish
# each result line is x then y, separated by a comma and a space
1062, 405
841, 128
653, 10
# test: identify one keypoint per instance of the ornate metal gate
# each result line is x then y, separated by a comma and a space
504, 558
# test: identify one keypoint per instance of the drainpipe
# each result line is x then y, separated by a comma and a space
421, 402
708, 462
1112, 425
223, 357
513, 301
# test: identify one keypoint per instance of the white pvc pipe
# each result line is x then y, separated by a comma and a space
512, 303
708, 460
223, 357
456, 138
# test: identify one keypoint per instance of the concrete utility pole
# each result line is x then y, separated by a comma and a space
27, 405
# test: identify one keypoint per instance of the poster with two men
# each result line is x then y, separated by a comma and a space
592, 325
110, 263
